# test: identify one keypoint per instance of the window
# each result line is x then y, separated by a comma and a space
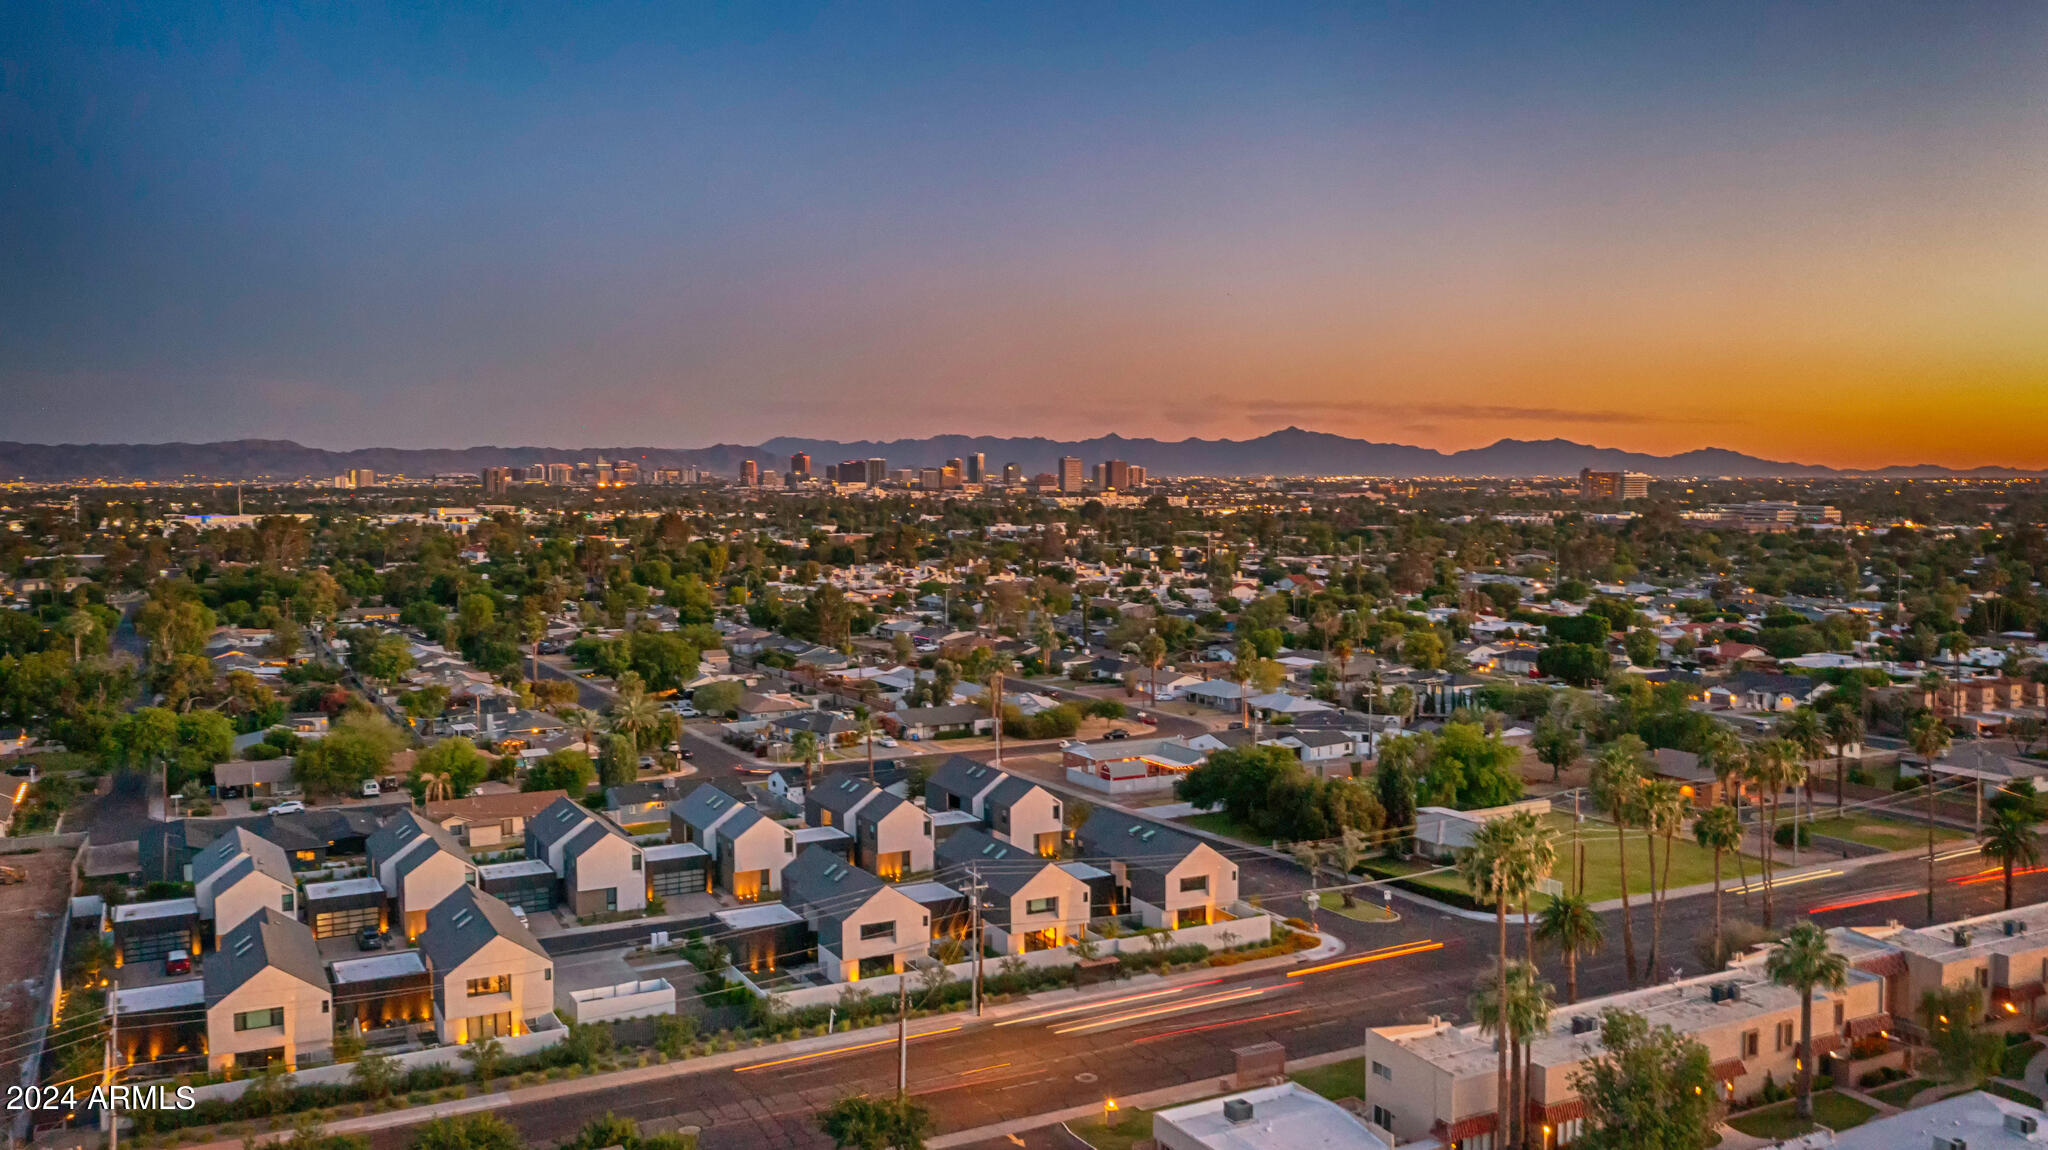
287, 902
1384, 1073
309, 856
636, 861
1199, 882
260, 1019
1785, 1036
1382, 1118
870, 931
1750, 1043
611, 899
1042, 906
495, 984
1983, 977
323, 1006
1838, 1016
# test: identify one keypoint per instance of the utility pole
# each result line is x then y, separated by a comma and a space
995, 694
974, 889
902, 1035
113, 1052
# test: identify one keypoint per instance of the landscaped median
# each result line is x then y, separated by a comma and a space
376, 1092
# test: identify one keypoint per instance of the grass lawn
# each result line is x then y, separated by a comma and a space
2004, 1090
1690, 865
1220, 823
1134, 1126
1338, 1080
1901, 1092
1882, 833
1832, 1110
1368, 908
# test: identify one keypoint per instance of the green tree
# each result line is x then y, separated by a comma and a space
1513, 1011
1774, 765
486, 1054
1964, 1051
1650, 1089
567, 770
1557, 744
375, 1074
635, 715
717, 698
484, 1131
1844, 726
2009, 841
456, 762
858, 1122
1571, 925
619, 765
1663, 809
1803, 961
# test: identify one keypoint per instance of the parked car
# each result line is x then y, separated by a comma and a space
370, 938
647, 763
23, 771
178, 962
1117, 733
686, 754
370, 789
1149, 720
288, 807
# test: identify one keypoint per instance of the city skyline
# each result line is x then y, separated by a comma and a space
1808, 234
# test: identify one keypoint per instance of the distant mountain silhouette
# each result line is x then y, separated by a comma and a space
1292, 451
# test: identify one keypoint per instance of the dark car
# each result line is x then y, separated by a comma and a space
370, 938
686, 754
1118, 733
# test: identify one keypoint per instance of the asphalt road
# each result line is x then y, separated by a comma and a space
985, 1073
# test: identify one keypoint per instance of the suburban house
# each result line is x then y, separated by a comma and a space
892, 837
490, 976
239, 875
836, 798
748, 850
602, 871
488, 822
1437, 1081
1766, 691
1685, 769
267, 997
1029, 902
932, 722
1130, 766
1441, 832
1168, 878
418, 864
864, 926
1016, 810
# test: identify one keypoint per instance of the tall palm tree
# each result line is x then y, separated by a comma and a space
1804, 962
1514, 1010
804, 745
1718, 829
1663, 810
1844, 726
1241, 673
1617, 785
1152, 652
2009, 841
1727, 756
1342, 652
1537, 843
636, 716
1496, 870
1804, 732
1570, 924
77, 626
1928, 736
866, 729
1771, 769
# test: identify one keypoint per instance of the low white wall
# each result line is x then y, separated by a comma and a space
1142, 785
626, 1000
339, 1072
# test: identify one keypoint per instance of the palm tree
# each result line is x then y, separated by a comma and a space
1928, 736
1342, 652
1663, 810
2009, 841
434, 787
1570, 925
1725, 754
1803, 731
1803, 961
1241, 673
866, 729
1496, 870
805, 746
1844, 726
635, 716
995, 711
1152, 652
1617, 784
77, 625
1538, 843
1718, 829
1771, 769
1514, 1009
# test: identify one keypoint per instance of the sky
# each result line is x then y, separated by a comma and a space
1810, 231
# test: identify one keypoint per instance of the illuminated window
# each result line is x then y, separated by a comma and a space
260, 1019
495, 984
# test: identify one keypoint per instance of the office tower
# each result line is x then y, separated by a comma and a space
977, 468
561, 474
1138, 476
362, 477
800, 466
750, 473
625, 471
1613, 484
878, 472
1070, 475
497, 480
931, 478
535, 473
1012, 473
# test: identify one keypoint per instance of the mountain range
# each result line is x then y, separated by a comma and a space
1291, 451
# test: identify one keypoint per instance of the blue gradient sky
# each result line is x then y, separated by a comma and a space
1815, 231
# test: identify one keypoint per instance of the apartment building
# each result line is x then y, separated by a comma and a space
1437, 1081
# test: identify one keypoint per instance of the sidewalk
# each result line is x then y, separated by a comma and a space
725, 1060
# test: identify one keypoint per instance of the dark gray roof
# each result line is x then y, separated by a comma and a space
841, 793
964, 777
1113, 834
402, 831
1008, 793
558, 820
883, 805
941, 716
465, 922
263, 940
240, 842
705, 806
820, 884
413, 860
649, 791
1003, 868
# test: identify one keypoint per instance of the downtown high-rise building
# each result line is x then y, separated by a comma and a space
878, 471
1072, 479
497, 481
799, 467
561, 474
977, 468
1013, 474
361, 477
750, 473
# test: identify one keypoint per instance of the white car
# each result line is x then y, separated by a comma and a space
289, 807
370, 789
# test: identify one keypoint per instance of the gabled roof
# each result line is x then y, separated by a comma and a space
1113, 834
239, 842
883, 805
493, 808
968, 778
264, 940
402, 831
1004, 868
705, 806
562, 819
820, 882
1012, 790
840, 794
464, 923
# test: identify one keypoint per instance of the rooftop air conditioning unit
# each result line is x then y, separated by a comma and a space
1237, 1111
2014, 926
1725, 992
1584, 1024
1960, 936
2023, 1125
1944, 1142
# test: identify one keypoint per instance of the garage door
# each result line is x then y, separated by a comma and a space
687, 880
531, 899
153, 947
342, 923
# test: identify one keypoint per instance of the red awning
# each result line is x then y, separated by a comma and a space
1566, 1111
1868, 1025
1463, 1128
1728, 1070
2025, 992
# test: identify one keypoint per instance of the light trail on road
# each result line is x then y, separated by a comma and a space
1757, 885
1996, 874
1128, 1017
1866, 900
1399, 950
815, 1054
1214, 1026
1066, 1010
